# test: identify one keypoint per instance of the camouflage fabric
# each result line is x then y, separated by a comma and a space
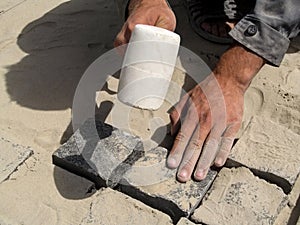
266, 30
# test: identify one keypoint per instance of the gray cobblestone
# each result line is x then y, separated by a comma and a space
239, 197
142, 175
96, 150
167, 194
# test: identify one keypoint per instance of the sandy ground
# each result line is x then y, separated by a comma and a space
45, 46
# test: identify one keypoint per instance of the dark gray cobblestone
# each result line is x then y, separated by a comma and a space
113, 158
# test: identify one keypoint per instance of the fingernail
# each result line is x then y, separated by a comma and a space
183, 173
172, 162
199, 174
219, 161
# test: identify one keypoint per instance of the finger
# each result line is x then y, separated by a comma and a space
225, 147
209, 152
177, 113
124, 35
192, 153
120, 39
207, 157
226, 144
181, 141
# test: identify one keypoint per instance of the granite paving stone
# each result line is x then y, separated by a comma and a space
274, 155
239, 197
149, 180
96, 149
111, 207
11, 156
138, 173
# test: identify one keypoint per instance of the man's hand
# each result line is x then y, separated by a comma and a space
149, 12
211, 114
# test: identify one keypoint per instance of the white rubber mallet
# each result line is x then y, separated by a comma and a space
148, 66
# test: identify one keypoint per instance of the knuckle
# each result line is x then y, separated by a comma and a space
232, 128
205, 115
180, 137
131, 24
226, 143
196, 144
169, 20
188, 165
234, 121
205, 126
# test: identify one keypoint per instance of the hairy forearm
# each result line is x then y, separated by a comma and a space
238, 66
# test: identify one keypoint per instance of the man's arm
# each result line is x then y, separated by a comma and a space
214, 110
205, 136
207, 119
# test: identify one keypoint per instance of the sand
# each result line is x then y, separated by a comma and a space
45, 46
